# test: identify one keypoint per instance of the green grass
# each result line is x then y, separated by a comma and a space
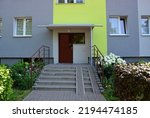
19, 95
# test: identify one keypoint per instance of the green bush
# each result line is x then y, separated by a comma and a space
21, 75
5, 83
131, 81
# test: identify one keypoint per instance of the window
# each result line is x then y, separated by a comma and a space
23, 26
145, 25
70, 1
78, 38
61, 1
118, 25
0, 27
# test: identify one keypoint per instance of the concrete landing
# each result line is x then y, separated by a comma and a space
66, 82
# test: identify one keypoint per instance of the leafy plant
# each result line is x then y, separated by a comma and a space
20, 75
132, 81
5, 83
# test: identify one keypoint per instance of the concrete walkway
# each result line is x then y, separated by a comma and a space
66, 82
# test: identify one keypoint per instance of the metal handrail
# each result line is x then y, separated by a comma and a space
98, 58
40, 55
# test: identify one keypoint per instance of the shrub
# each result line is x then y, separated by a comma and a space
21, 74
5, 83
112, 59
109, 63
132, 81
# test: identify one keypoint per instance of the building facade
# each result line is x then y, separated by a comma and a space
128, 28
69, 27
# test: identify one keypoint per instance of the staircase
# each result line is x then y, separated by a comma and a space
72, 78
57, 78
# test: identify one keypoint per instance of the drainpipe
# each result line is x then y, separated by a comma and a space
91, 39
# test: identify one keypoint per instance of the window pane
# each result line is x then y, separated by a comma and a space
123, 25
61, 1
78, 38
144, 26
114, 28
70, 1
79, 1
0, 27
19, 26
28, 27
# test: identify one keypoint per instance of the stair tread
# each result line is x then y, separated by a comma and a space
59, 87
42, 81
59, 77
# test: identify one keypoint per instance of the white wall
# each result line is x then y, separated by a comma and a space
81, 52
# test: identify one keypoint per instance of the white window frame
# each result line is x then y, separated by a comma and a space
119, 25
24, 27
1, 27
66, 2
148, 17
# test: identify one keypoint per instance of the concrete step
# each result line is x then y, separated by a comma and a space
89, 89
58, 78
55, 88
58, 73
65, 83
87, 83
59, 70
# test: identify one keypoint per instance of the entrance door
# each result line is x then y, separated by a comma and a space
65, 48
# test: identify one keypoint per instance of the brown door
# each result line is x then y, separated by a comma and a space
65, 48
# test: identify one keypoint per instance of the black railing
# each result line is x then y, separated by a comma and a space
38, 59
98, 62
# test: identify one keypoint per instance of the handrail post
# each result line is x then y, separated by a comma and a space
48, 55
44, 55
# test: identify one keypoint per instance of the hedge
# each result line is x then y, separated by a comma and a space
132, 81
5, 83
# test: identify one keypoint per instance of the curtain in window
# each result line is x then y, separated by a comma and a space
19, 26
114, 26
145, 26
28, 27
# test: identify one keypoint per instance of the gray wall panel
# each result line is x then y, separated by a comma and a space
124, 45
144, 9
41, 12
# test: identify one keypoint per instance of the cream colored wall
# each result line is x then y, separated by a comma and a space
81, 52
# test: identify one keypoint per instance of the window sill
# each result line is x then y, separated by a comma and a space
29, 36
145, 35
119, 35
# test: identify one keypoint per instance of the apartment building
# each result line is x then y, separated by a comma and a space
69, 27
128, 28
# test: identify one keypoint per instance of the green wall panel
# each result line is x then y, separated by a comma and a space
90, 12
